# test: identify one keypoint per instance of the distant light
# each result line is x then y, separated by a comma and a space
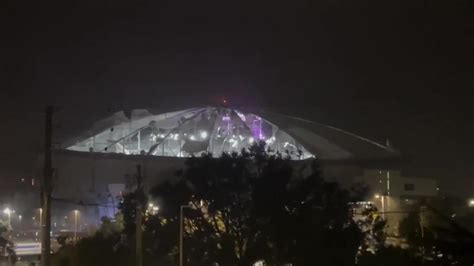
192, 137
234, 145
270, 140
7, 211
377, 196
251, 140
471, 203
155, 208
203, 134
150, 205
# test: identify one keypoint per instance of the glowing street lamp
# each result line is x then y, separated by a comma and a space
76, 214
181, 229
8, 212
153, 208
382, 203
471, 203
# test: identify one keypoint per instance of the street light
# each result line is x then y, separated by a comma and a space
382, 203
181, 229
471, 203
76, 214
181, 225
8, 212
153, 209
41, 217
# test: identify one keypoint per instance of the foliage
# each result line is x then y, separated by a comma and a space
3, 227
250, 206
389, 256
434, 233
239, 208
372, 226
103, 248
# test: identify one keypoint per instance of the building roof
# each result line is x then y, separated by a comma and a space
223, 129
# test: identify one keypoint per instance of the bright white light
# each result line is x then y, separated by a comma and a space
270, 140
377, 196
203, 134
192, 137
234, 145
150, 205
251, 140
7, 211
155, 208
471, 203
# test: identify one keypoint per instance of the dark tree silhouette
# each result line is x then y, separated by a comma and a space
251, 206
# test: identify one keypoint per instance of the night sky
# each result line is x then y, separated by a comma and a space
401, 70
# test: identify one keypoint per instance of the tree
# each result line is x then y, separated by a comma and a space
240, 208
389, 256
433, 232
252, 206
103, 248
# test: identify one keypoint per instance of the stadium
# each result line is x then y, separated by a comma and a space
98, 165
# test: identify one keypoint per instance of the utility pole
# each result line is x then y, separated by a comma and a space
422, 231
181, 232
76, 214
138, 216
46, 190
181, 235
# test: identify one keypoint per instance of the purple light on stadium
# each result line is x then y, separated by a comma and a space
257, 129
226, 120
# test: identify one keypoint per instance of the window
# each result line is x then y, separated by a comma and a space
409, 187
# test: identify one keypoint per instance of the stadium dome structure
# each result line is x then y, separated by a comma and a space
96, 167
223, 129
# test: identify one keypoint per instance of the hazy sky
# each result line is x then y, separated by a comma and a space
383, 69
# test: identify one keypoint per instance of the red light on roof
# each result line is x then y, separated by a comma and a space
224, 101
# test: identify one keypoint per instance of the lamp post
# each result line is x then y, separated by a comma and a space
76, 214
470, 203
41, 217
181, 229
382, 203
8, 212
